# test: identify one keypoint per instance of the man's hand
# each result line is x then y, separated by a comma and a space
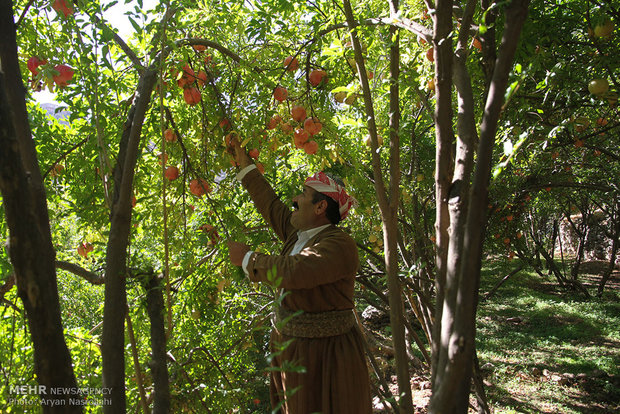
237, 251
240, 154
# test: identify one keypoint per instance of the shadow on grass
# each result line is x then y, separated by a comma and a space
504, 400
548, 350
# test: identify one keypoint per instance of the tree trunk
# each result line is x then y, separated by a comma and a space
553, 269
615, 235
155, 308
489, 43
443, 166
481, 398
455, 340
554, 237
30, 243
388, 201
504, 279
113, 341
581, 247
458, 190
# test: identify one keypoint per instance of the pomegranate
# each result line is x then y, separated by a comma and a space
312, 125
171, 173
65, 73
291, 64
274, 121
191, 96
298, 113
280, 94
199, 187
300, 137
61, 6
311, 147
170, 136
317, 77
253, 153
202, 78
34, 63
430, 54
224, 124
286, 128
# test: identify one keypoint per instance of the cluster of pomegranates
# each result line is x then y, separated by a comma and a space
62, 6
42, 70
303, 127
85, 248
197, 186
188, 80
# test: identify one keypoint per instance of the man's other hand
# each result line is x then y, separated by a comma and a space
240, 154
237, 251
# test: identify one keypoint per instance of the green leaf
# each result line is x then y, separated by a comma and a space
341, 89
107, 34
135, 25
109, 5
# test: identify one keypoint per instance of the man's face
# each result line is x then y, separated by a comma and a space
305, 214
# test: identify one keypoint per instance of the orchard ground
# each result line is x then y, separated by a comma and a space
543, 349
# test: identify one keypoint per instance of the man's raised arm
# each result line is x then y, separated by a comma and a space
274, 211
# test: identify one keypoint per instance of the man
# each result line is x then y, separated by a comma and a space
316, 268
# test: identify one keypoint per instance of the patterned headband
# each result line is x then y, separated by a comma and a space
325, 185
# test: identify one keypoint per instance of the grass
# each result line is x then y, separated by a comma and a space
548, 350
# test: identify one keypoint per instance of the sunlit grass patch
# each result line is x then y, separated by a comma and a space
545, 349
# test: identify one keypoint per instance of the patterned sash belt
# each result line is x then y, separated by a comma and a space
313, 325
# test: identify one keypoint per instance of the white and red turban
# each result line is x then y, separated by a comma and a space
325, 185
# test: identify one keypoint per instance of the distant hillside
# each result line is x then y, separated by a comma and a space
60, 115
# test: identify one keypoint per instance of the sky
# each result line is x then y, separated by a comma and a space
115, 17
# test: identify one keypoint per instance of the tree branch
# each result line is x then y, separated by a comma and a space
8, 285
77, 270
121, 43
21, 17
63, 155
